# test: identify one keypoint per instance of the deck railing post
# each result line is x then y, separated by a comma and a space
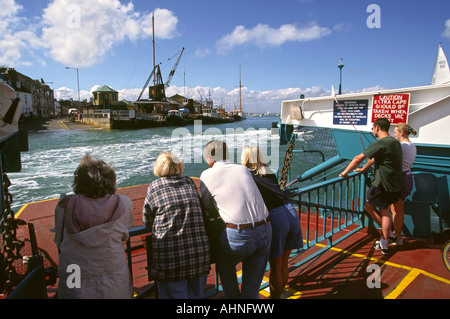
347, 202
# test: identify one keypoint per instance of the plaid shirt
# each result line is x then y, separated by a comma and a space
180, 245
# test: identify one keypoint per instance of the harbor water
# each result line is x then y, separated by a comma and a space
48, 166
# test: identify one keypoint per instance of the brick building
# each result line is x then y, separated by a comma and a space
42, 102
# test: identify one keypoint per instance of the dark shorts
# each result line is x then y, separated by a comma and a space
379, 198
286, 230
407, 184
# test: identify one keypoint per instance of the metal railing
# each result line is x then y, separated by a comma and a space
329, 208
134, 232
107, 113
122, 115
101, 113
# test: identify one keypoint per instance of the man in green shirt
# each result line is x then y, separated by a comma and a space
386, 153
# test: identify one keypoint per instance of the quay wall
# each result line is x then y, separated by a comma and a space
98, 122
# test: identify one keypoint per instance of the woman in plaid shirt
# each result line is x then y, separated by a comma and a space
180, 245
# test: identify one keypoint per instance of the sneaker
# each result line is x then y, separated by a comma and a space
377, 246
395, 241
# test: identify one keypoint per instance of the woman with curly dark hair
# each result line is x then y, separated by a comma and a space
91, 227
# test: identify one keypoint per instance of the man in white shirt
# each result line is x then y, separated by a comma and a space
230, 189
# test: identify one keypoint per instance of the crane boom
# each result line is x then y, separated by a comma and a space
172, 72
201, 97
146, 83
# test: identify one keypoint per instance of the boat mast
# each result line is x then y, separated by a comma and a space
240, 90
153, 36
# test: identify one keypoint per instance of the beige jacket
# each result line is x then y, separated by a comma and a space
93, 248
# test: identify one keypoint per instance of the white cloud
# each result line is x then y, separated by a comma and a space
8, 14
81, 32
262, 35
77, 33
200, 53
446, 33
66, 93
375, 88
17, 38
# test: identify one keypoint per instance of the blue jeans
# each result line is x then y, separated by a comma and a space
183, 289
250, 246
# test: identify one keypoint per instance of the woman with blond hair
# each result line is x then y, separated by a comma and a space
180, 246
402, 131
286, 230
90, 229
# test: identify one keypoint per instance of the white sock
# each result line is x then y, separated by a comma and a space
391, 234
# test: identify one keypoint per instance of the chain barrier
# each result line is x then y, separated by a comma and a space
10, 246
287, 163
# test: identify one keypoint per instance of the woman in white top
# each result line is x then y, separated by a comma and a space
402, 132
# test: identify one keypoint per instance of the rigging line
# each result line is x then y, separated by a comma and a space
136, 64
163, 52
166, 63
176, 54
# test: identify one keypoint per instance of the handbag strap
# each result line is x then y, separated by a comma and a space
60, 216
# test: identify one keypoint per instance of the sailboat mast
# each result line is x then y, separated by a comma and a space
153, 36
240, 90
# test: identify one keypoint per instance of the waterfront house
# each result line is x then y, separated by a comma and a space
193, 106
38, 97
105, 97
104, 107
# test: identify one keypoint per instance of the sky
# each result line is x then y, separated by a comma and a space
283, 48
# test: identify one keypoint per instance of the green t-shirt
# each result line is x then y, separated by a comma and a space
387, 152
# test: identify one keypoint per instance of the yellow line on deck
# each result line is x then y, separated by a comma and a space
288, 293
25, 206
412, 274
388, 263
403, 284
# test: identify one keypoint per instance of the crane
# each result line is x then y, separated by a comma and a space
158, 79
172, 72
146, 83
201, 97
156, 73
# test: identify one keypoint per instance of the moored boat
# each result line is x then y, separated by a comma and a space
239, 114
174, 118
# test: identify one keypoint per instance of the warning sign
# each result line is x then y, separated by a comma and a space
394, 107
350, 112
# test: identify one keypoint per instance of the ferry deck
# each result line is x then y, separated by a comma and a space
351, 269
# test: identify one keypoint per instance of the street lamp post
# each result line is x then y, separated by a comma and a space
78, 81
340, 66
